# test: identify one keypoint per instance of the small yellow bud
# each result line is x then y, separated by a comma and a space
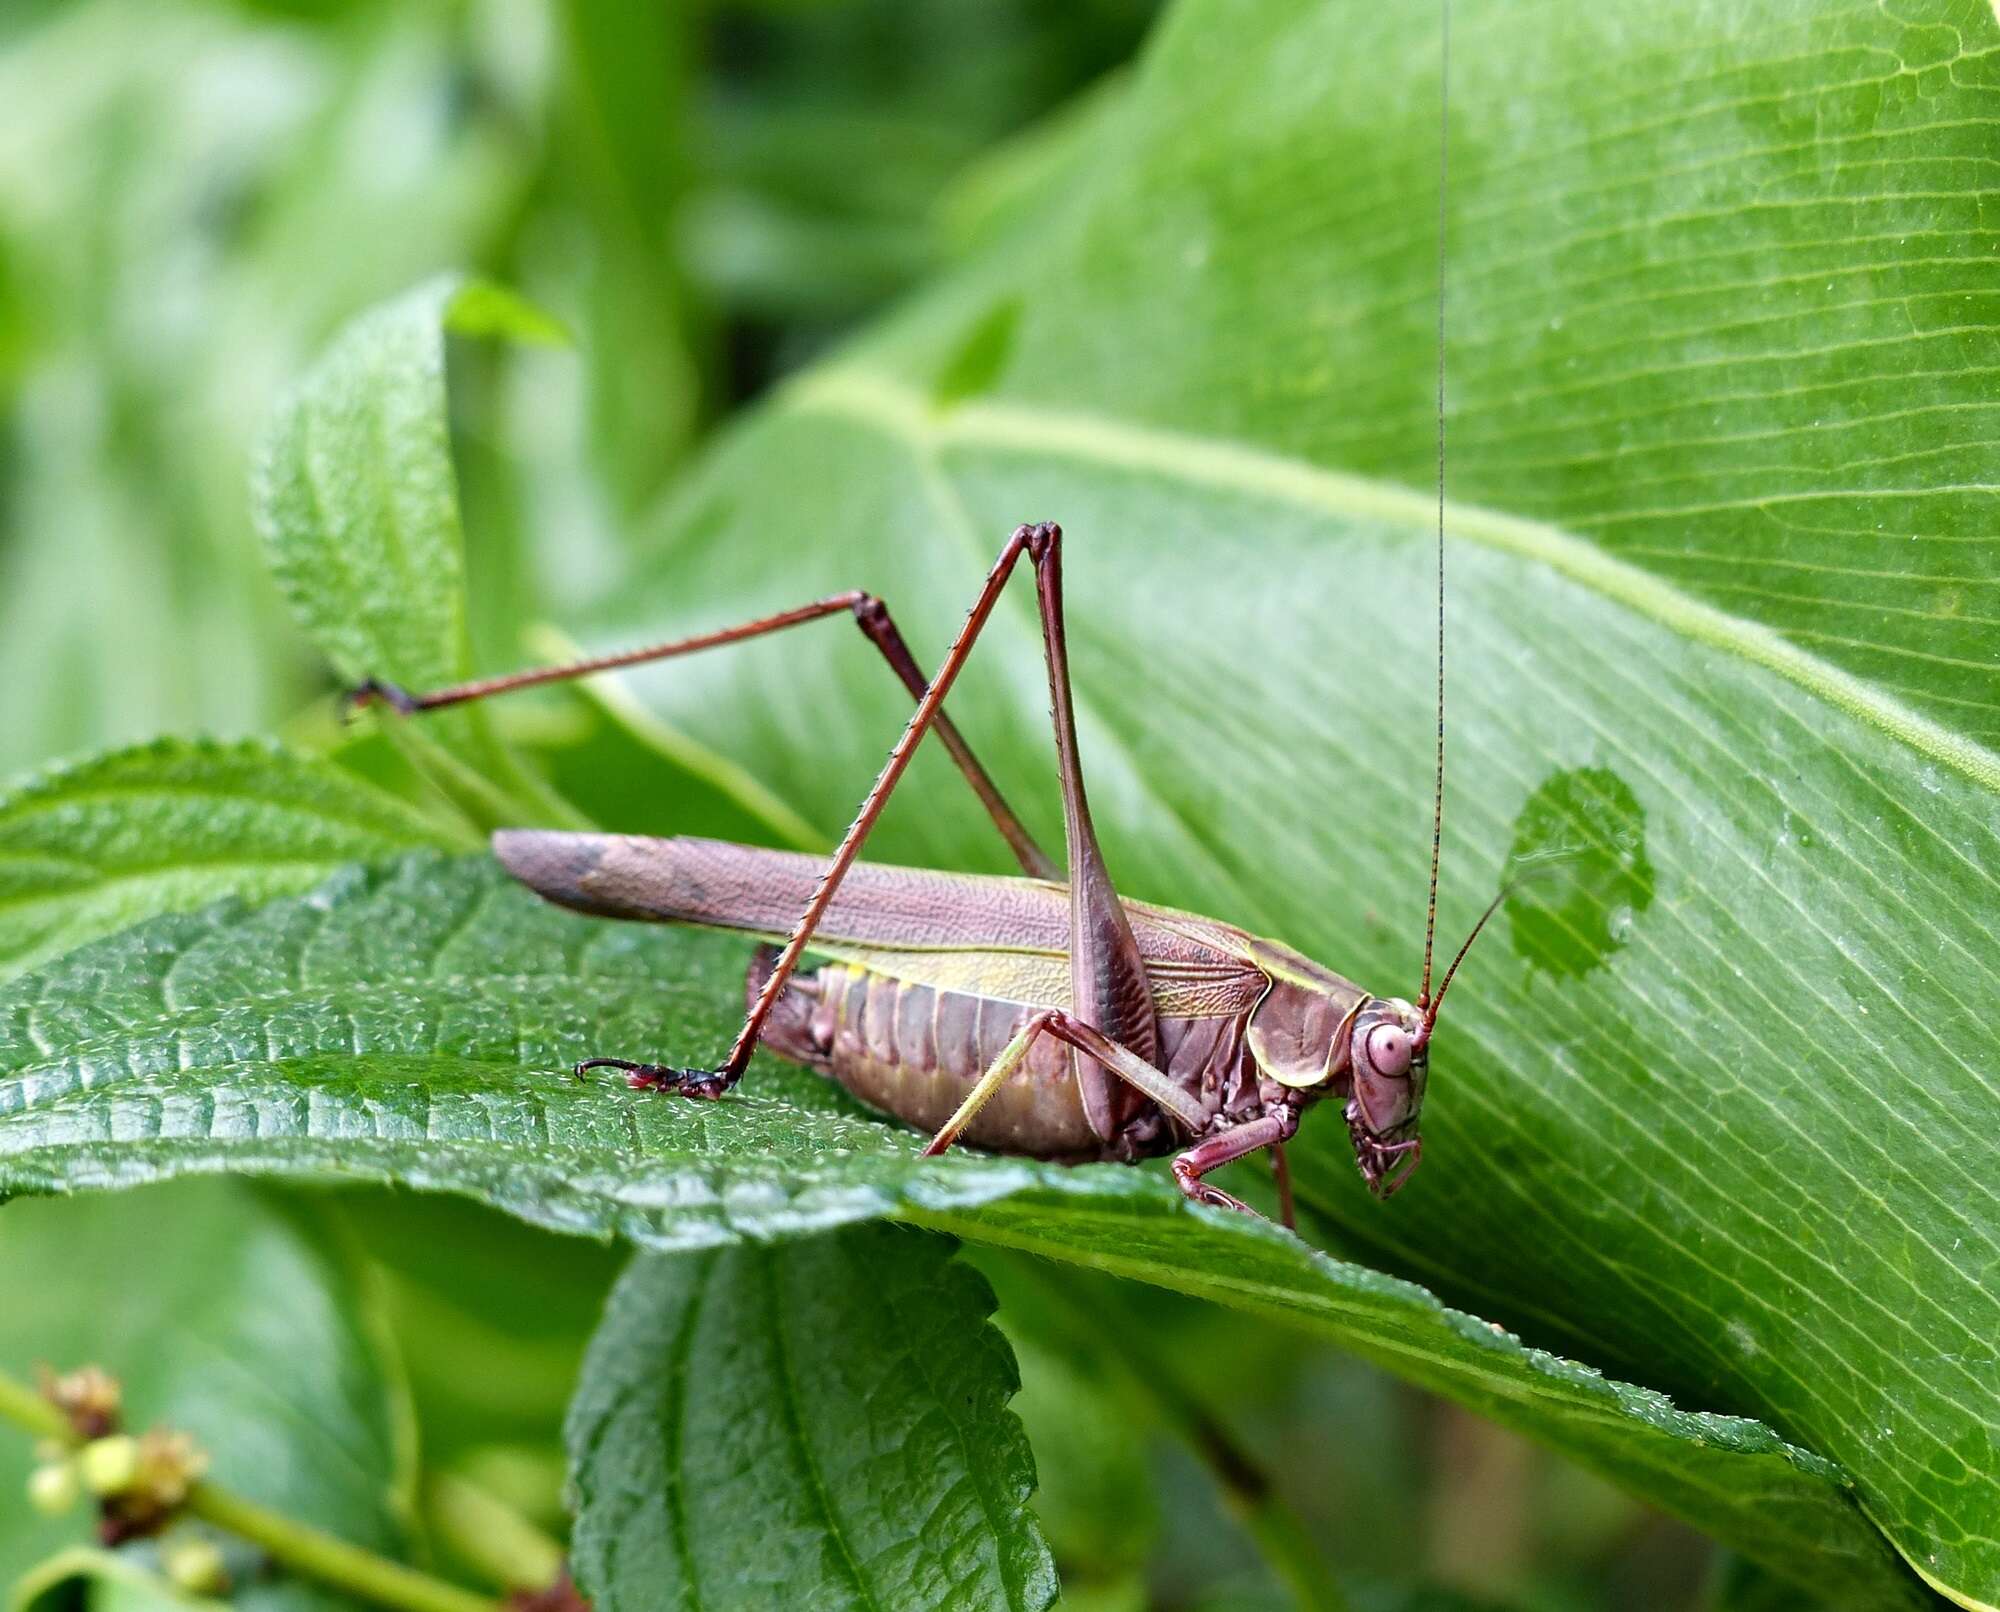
53, 1489
195, 1565
109, 1465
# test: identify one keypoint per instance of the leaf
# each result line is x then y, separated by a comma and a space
221, 1314
820, 1423
358, 506
355, 494
415, 1024
103, 1580
89, 847
461, 1284
1721, 334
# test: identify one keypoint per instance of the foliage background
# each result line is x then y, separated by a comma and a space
193, 198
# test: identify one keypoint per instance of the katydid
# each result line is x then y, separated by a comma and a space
1043, 1015
1037, 1015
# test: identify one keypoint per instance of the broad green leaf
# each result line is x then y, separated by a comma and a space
91, 846
221, 1314
820, 1423
358, 504
1721, 336
415, 1024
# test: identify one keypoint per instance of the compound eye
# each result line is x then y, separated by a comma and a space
1388, 1049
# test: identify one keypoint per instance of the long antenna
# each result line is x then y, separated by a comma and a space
1444, 173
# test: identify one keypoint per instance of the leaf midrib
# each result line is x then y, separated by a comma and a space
871, 398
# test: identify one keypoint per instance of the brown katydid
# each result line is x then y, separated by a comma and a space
1029, 1015
1043, 1015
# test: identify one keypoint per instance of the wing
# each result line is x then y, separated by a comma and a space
1005, 938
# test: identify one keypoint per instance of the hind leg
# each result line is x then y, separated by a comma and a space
789, 1032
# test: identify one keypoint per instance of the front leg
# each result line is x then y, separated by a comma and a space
1225, 1147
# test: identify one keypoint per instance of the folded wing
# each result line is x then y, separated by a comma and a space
1000, 937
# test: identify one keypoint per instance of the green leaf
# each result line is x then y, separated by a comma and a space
89, 847
1718, 1116
102, 1580
358, 504
415, 1024
820, 1423
460, 1285
223, 1315
355, 493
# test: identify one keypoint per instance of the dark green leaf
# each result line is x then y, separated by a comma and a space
222, 1315
819, 1423
88, 848
415, 1025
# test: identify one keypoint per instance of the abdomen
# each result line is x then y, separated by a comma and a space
915, 1051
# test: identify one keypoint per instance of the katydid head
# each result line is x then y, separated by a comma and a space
1322, 1038
1389, 1064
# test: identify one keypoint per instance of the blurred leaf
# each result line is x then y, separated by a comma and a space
622, 120
1096, 1497
414, 1024
1742, 1586
492, 1315
190, 196
167, 827
817, 1423
831, 132
223, 1316
83, 1577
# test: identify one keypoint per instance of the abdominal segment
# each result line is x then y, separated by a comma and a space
915, 1051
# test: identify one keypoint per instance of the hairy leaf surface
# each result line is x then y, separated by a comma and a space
415, 1025
357, 501
166, 827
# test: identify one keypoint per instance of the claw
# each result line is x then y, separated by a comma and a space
1199, 1191
369, 691
703, 1084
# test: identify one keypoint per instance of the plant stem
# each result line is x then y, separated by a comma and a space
301, 1547
24, 1407
316, 1555
491, 1536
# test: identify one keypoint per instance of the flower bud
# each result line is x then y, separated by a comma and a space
109, 1465
53, 1488
89, 1397
195, 1564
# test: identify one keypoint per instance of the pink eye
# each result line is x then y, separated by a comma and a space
1389, 1049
